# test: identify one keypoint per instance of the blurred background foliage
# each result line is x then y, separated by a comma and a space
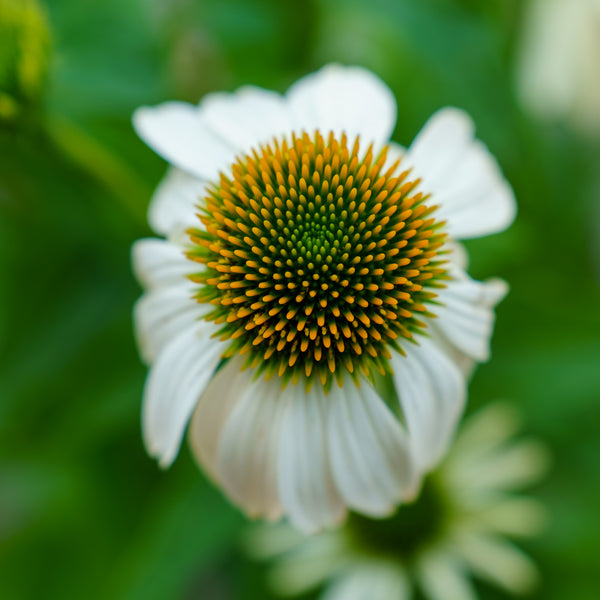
83, 511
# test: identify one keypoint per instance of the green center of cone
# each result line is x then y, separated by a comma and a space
411, 529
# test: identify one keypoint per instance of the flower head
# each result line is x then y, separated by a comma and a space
458, 525
310, 263
317, 259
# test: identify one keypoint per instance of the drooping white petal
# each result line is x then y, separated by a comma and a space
174, 204
159, 263
442, 577
498, 561
176, 381
167, 309
161, 315
249, 446
305, 482
466, 314
371, 581
180, 134
463, 361
344, 99
432, 393
248, 117
462, 176
221, 395
369, 451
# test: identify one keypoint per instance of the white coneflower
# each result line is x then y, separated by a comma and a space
306, 259
458, 527
558, 72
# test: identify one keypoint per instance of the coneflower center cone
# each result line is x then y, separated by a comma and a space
413, 527
317, 258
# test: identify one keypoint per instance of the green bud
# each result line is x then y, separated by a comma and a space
24, 53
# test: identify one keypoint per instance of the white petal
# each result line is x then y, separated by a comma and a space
179, 133
248, 117
395, 154
344, 99
462, 176
174, 203
371, 582
463, 361
513, 466
266, 541
249, 447
466, 315
442, 578
176, 381
305, 482
498, 561
440, 145
432, 394
483, 432
352, 585
167, 309
515, 516
158, 263
222, 394
484, 463
310, 564
370, 455
161, 315
459, 257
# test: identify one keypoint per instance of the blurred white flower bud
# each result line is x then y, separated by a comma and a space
560, 61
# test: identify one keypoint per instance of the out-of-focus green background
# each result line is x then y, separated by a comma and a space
84, 513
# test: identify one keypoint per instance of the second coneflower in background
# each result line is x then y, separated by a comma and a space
309, 264
459, 526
